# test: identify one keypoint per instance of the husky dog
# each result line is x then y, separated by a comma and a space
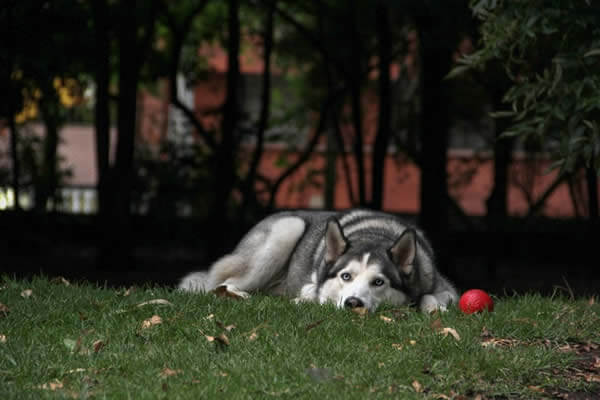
356, 258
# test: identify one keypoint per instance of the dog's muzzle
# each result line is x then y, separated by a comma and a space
353, 302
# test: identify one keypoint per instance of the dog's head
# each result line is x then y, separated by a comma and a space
366, 272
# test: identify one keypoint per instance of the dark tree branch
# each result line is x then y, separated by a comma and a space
263, 121
308, 151
180, 31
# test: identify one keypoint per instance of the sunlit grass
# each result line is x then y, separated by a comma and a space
84, 341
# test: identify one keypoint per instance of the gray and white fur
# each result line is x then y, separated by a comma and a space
355, 258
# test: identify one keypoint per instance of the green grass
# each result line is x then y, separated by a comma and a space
278, 349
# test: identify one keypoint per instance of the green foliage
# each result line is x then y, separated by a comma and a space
84, 341
551, 52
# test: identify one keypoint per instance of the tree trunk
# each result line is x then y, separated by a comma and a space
592, 190
101, 106
46, 189
435, 54
384, 128
227, 148
14, 154
355, 83
497, 202
249, 196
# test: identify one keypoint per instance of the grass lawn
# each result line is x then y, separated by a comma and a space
62, 340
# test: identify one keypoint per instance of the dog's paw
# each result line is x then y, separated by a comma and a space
430, 304
230, 291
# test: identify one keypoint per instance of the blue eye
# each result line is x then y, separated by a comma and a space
345, 276
378, 282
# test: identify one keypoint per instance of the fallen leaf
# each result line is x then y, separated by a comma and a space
54, 385
169, 372
222, 291
98, 345
209, 316
154, 320
436, 325
451, 331
397, 346
2, 338
162, 302
441, 396
26, 293
4, 310
222, 339
73, 371
536, 389
385, 319
228, 328
223, 374
417, 386
253, 336
362, 311
412, 342
61, 279
314, 325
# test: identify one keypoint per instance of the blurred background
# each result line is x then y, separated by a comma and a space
141, 139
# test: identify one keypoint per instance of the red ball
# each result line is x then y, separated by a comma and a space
475, 300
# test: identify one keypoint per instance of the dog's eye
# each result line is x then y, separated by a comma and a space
345, 276
378, 282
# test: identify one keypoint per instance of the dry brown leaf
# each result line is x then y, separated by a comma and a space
228, 328
2, 338
98, 345
54, 385
154, 320
451, 331
161, 302
417, 386
397, 346
26, 293
253, 336
4, 310
314, 325
222, 291
441, 396
362, 311
223, 374
385, 319
61, 279
166, 372
209, 316
412, 342
436, 325
536, 389
222, 339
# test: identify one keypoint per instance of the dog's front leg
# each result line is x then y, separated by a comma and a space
436, 301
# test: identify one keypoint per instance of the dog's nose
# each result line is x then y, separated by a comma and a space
353, 302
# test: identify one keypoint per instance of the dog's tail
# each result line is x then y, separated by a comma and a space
194, 282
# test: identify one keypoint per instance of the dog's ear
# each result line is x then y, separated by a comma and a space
335, 241
403, 251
